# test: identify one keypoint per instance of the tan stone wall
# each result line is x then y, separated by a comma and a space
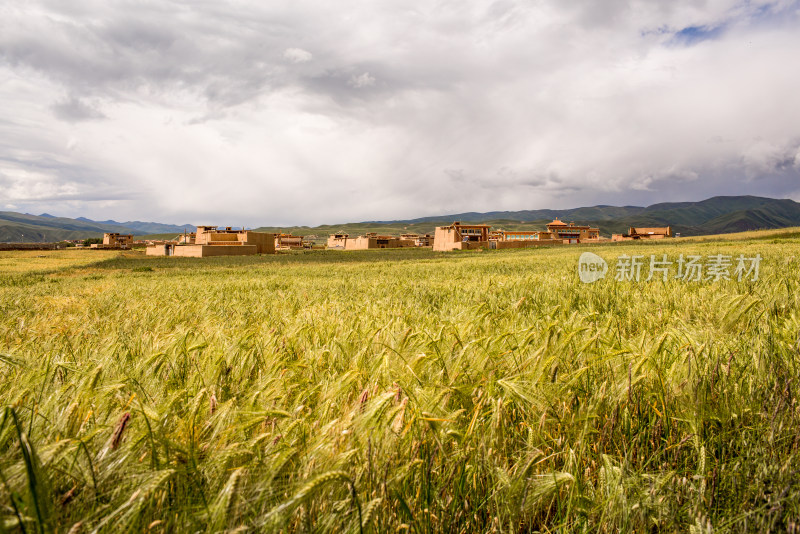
527, 243
264, 242
189, 251
357, 243
220, 237
227, 243
445, 239
201, 236
205, 251
364, 243
156, 250
337, 242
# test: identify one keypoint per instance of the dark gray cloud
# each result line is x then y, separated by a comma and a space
310, 113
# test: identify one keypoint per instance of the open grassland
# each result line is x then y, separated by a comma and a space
48, 261
385, 391
790, 234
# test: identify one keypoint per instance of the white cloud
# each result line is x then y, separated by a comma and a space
297, 55
404, 109
362, 80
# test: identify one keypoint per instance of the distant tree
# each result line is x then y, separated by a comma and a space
92, 241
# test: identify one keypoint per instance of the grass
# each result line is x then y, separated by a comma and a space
401, 390
777, 233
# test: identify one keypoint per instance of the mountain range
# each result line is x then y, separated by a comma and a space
23, 227
717, 215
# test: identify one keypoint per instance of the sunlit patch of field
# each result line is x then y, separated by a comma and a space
385, 391
49, 260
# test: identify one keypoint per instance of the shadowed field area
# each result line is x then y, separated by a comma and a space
399, 390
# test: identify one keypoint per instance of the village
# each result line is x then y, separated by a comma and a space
209, 241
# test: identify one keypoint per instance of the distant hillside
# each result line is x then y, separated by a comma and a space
717, 215
594, 213
143, 228
23, 227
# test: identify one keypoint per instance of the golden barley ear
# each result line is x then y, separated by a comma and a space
119, 431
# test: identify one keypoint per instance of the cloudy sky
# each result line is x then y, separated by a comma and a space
301, 112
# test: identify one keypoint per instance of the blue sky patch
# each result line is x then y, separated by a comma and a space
692, 35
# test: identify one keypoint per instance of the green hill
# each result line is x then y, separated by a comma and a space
23, 227
717, 215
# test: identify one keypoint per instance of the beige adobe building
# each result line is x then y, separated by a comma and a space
288, 242
459, 236
338, 241
420, 240
571, 233
215, 241
115, 241
186, 239
367, 241
525, 238
640, 232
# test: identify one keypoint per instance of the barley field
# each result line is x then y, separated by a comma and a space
399, 391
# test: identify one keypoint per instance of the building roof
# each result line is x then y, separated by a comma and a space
651, 230
515, 232
556, 222
459, 224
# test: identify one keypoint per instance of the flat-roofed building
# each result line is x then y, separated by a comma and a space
368, 241
525, 238
114, 241
420, 240
459, 236
216, 241
288, 242
572, 233
338, 241
373, 240
641, 232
